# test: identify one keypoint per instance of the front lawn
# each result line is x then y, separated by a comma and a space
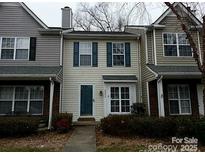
43, 141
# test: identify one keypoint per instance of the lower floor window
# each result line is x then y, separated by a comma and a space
179, 99
21, 99
120, 99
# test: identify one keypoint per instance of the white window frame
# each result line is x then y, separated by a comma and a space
177, 44
91, 55
28, 100
118, 54
15, 47
120, 99
179, 99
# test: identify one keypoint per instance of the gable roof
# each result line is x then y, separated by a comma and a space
184, 8
33, 15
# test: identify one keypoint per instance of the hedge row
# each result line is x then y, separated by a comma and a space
128, 125
12, 126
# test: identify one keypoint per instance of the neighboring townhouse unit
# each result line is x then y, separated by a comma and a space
30, 71
101, 73
171, 79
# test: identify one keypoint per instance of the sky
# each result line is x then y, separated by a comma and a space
50, 12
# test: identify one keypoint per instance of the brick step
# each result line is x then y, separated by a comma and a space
86, 119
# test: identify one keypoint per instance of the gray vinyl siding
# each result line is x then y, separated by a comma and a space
150, 47
16, 22
172, 25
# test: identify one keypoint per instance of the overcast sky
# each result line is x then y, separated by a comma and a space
50, 12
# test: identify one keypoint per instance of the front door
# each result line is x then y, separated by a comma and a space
86, 101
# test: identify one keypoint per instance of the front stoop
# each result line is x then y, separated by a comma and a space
85, 122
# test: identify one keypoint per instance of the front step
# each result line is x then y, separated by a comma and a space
85, 122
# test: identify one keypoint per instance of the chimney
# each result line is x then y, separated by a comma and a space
67, 17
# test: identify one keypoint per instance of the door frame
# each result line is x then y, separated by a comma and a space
93, 103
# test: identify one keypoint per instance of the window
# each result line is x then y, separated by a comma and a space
179, 99
14, 48
118, 52
85, 51
120, 99
21, 99
176, 45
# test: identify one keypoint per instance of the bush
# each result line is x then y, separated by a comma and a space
138, 109
62, 122
153, 127
18, 126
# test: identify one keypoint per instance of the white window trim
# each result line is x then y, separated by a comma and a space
177, 44
120, 100
15, 43
179, 100
28, 100
91, 55
118, 54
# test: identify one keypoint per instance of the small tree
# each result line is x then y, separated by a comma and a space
195, 50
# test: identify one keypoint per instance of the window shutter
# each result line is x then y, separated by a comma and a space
32, 54
76, 54
109, 54
127, 55
95, 54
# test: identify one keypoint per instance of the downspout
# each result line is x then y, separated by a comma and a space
51, 103
139, 65
61, 64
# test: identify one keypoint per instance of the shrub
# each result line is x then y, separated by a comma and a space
152, 127
138, 109
18, 126
62, 122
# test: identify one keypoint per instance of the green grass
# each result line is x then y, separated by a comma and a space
23, 149
117, 148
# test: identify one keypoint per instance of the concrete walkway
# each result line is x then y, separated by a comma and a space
83, 139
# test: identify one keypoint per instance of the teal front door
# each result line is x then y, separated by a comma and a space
86, 101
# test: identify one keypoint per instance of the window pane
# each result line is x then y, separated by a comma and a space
174, 107
20, 106
8, 43
6, 93
170, 50
5, 107
85, 60
115, 106
125, 92
185, 50
36, 93
7, 53
36, 107
184, 92
114, 92
118, 48
169, 38
85, 48
118, 60
172, 92
21, 54
125, 106
185, 106
22, 43
21, 93
182, 39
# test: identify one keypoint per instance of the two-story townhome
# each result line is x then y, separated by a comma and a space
101, 73
30, 65
171, 79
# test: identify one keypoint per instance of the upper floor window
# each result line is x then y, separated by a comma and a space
14, 48
176, 44
85, 51
118, 52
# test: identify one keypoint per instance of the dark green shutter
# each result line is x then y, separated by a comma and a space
76, 54
127, 55
95, 54
32, 53
109, 54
